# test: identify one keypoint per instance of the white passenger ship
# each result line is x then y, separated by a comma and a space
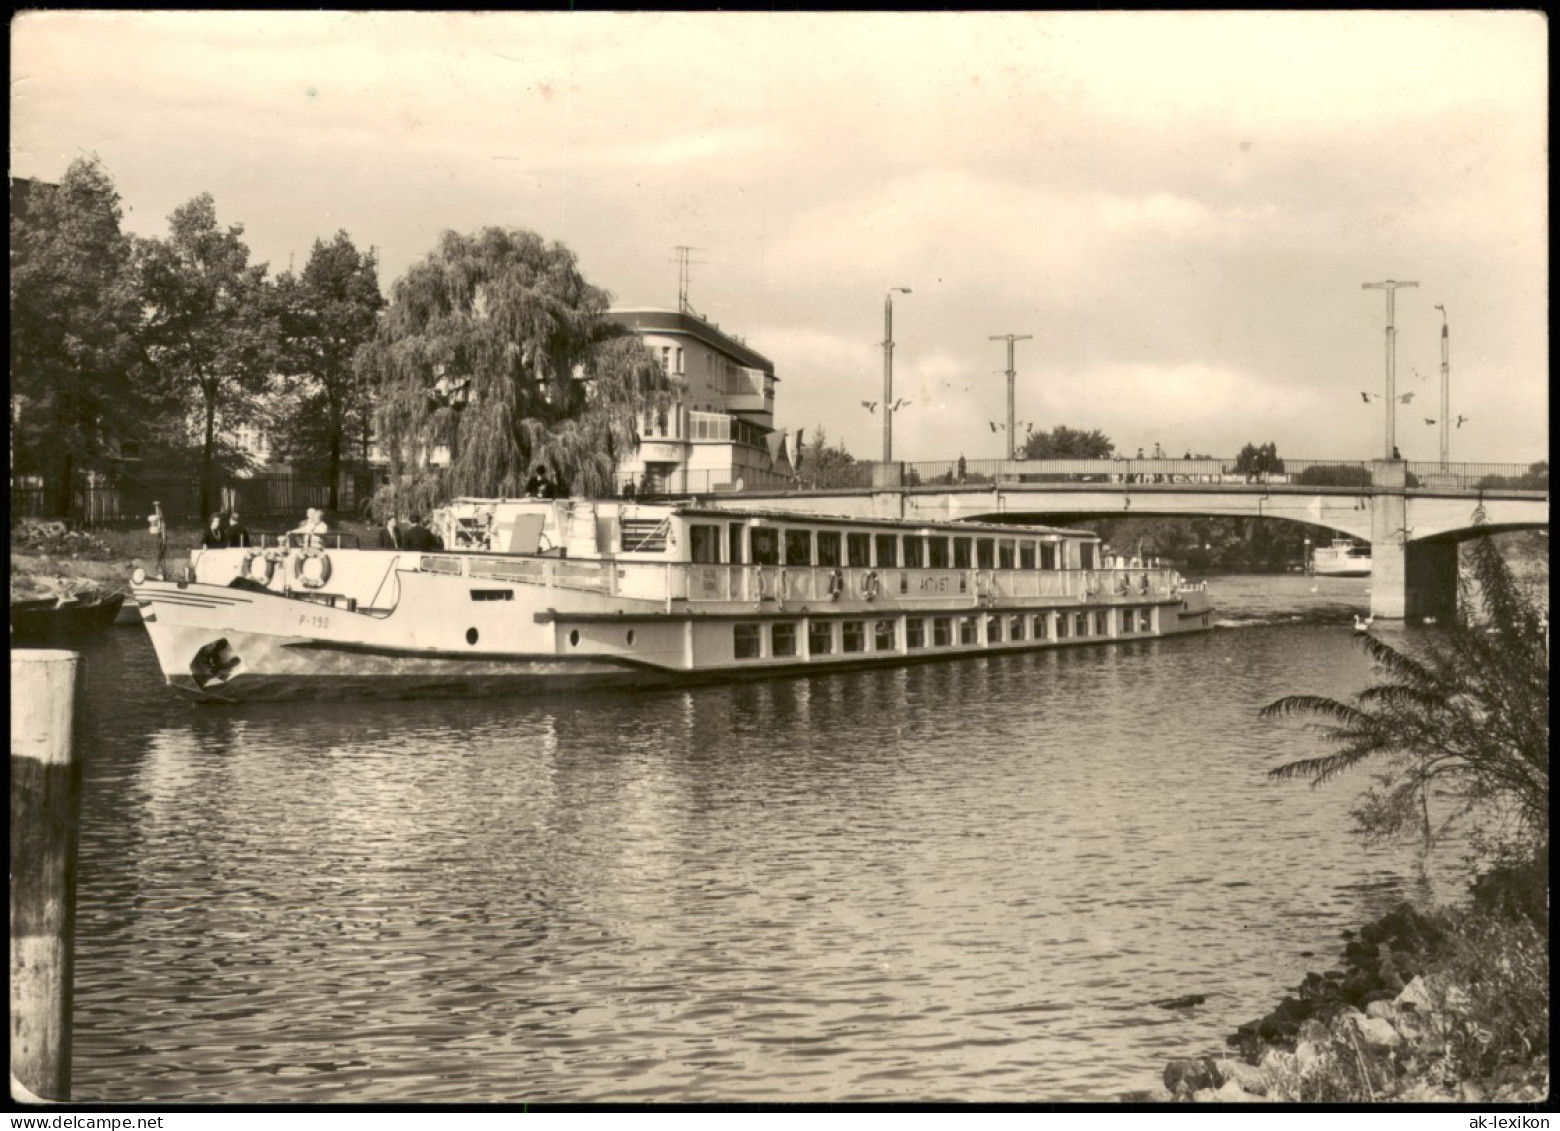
1344, 558
551, 594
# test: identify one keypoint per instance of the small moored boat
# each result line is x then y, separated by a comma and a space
51, 619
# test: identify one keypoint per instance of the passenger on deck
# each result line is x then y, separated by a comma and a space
390, 533
538, 486
312, 530
418, 537
237, 532
215, 534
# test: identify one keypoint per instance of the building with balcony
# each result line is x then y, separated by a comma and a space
719, 434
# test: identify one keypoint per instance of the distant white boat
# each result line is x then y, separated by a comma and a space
1344, 558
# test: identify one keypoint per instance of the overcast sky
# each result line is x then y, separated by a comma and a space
1180, 208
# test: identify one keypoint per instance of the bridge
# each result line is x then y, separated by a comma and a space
1413, 515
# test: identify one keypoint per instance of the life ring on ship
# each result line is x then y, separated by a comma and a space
258, 567
836, 585
871, 585
312, 578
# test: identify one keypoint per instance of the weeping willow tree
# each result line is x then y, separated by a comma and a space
1466, 712
498, 348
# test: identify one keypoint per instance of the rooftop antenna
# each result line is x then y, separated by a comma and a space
685, 260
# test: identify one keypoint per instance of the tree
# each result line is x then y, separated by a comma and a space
76, 375
327, 314
210, 324
1063, 442
1257, 462
826, 465
497, 346
1469, 713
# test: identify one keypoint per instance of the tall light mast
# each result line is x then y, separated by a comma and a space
1011, 373
1446, 390
1390, 286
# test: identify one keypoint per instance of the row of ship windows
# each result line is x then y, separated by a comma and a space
926, 632
769, 545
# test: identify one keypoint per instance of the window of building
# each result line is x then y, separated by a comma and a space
1102, 622
961, 553
679, 361
853, 636
887, 551
783, 639
1016, 627
820, 638
985, 553
858, 550
1042, 625
915, 633
993, 630
915, 551
1048, 555
942, 631
765, 543
704, 544
798, 547
1080, 624
828, 547
1005, 557
937, 552
747, 641
1026, 555
666, 358
883, 636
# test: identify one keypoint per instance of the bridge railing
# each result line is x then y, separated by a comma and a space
1479, 476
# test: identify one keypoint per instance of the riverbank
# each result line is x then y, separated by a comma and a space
1447, 1006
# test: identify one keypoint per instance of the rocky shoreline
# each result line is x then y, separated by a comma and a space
1375, 1026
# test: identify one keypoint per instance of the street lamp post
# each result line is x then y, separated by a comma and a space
1390, 286
1011, 373
888, 372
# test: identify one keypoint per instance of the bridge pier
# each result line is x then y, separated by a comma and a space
1408, 579
888, 495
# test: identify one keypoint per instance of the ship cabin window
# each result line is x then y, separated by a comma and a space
828, 547
858, 550
1007, 557
887, 551
969, 631
798, 547
853, 636
1086, 555
736, 556
937, 552
747, 641
1102, 622
820, 638
1016, 627
1062, 626
1026, 555
993, 630
1048, 555
704, 544
783, 640
1080, 624
915, 551
1146, 620
961, 553
765, 541
985, 555
942, 632
915, 633
1042, 625
883, 636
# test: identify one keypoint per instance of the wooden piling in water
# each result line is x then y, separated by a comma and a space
45, 814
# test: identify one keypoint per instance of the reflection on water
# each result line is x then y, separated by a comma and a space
961, 881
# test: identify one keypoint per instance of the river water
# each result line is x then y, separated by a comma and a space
964, 881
